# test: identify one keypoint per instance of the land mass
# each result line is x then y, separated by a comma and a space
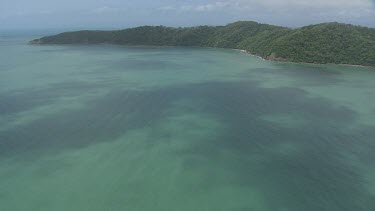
326, 43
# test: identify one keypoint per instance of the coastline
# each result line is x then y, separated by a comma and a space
289, 62
240, 50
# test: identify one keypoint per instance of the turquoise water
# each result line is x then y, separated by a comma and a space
141, 128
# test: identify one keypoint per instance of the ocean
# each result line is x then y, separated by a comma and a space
106, 127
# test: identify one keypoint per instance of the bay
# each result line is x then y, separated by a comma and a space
148, 128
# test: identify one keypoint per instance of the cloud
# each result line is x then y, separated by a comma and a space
310, 4
298, 12
210, 7
198, 7
168, 8
105, 10
274, 4
126, 13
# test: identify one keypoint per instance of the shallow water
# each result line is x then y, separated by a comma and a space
122, 128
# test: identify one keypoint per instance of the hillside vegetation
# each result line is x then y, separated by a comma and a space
323, 43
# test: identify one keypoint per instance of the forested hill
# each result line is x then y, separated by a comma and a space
323, 43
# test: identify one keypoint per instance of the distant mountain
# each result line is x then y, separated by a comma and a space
324, 43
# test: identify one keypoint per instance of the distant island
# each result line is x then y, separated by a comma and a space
326, 43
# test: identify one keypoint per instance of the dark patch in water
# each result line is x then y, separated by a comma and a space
21, 101
307, 76
317, 175
24, 100
142, 65
103, 120
314, 174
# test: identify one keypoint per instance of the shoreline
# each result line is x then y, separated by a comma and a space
234, 49
308, 63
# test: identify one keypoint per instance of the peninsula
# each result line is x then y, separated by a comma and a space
326, 43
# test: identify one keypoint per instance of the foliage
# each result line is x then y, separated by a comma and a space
323, 43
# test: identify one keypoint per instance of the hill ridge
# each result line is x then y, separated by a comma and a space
324, 43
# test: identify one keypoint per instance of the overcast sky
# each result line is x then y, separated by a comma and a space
102, 14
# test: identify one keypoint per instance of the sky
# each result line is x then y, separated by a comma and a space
112, 14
